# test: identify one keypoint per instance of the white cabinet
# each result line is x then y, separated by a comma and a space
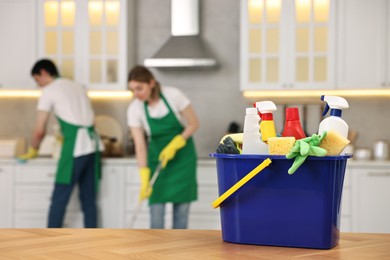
202, 214
33, 187
363, 60
34, 183
131, 202
371, 193
111, 199
6, 198
346, 203
18, 43
287, 44
26, 190
87, 40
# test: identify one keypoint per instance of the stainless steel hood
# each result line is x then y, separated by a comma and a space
184, 48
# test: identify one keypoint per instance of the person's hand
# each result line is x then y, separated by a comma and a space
60, 139
146, 190
31, 153
169, 152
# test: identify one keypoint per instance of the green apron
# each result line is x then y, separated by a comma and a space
176, 183
65, 164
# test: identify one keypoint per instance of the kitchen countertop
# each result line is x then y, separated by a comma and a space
110, 160
170, 244
40, 160
202, 161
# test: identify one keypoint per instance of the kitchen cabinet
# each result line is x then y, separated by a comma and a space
32, 192
87, 40
131, 201
202, 214
111, 199
31, 184
132, 194
6, 198
18, 50
364, 55
370, 192
25, 192
34, 185
346, 203
287, 44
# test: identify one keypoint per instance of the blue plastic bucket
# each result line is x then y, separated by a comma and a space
275, 208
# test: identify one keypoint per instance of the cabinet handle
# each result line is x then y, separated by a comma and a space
1, 169
383, 84
379, 174
50, 175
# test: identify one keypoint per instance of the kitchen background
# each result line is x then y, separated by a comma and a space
215, 92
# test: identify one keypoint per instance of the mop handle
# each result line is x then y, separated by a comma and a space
155, 175
141, 203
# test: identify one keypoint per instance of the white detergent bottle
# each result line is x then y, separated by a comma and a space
334, 121
251, 140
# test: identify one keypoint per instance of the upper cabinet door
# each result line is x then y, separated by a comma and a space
18, 43
58, 35
106, 53
262, 55
312, 52
87, 40
287, 44
363, 40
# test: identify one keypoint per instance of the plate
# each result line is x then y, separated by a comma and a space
107, 126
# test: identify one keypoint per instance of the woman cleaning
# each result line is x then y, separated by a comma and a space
166, 115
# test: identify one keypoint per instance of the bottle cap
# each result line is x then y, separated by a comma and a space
251, 111
292, 114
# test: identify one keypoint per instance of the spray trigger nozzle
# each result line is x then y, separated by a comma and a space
258, 112
326, 109
335, 103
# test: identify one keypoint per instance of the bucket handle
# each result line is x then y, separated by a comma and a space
241, 182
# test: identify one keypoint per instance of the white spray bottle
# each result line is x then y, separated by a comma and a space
334, 121
251, 140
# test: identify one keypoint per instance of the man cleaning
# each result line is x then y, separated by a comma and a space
79, 162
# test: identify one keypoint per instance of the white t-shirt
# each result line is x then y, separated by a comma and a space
136, 116
69, 101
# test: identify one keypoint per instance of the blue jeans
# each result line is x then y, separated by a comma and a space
180, 215
84, 175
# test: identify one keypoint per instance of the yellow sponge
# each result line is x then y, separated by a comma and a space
280, 145
334, 143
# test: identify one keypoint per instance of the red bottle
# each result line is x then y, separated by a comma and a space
292, 126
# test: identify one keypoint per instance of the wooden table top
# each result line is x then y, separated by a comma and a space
170, 244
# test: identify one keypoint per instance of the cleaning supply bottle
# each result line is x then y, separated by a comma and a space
292, 125
267, 124
334, 121
251, 143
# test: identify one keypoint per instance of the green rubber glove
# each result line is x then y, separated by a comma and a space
305, 147
31, 153
169, 152
146, 189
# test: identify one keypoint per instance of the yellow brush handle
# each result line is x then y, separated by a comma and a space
241, 182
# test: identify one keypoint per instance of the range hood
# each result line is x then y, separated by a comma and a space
184, 48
